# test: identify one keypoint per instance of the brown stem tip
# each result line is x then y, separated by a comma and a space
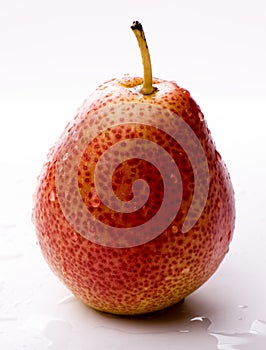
136, 25
147, 88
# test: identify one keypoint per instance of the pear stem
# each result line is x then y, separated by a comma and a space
147, 87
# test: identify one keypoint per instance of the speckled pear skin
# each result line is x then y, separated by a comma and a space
128, 276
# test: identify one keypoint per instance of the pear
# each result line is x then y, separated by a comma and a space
134, 208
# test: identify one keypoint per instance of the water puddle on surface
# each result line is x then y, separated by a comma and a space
58, 332
67, 300
8, 318
46, 332
10, 256
9, 249
255, 338
190, 332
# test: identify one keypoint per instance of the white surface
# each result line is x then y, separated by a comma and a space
52, 55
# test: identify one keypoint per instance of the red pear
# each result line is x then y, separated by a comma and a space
134, 208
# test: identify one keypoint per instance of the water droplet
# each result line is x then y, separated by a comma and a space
218, 156
173, 177
219, 203
70, 128
201, 116
59, 169
186, 270
198, 318
242, 306
92, 228
74, 237
174, 229
52, 196
65, 156
189, 112
46, 235
186, 92
95, 201
64, 270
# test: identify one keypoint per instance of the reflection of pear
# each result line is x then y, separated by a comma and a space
134, 209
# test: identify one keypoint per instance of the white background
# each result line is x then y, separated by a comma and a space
52, 55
